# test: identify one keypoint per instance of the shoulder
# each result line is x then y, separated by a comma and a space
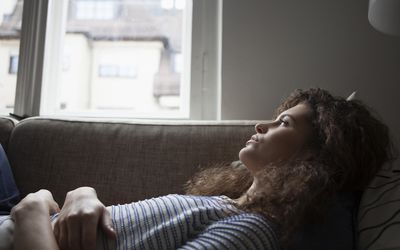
215, 202
253, 222
249, 228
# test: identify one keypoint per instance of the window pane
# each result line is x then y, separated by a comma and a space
120, 58
10, 27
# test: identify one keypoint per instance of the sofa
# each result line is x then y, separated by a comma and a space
133, 160
123, 161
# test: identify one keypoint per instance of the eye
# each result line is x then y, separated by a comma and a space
284, 122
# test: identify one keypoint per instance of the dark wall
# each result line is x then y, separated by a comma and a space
272, 47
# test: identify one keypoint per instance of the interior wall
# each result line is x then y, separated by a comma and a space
271, 47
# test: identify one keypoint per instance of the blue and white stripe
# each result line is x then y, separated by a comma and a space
178, 222
190, 222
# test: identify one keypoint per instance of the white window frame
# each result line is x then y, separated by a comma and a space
31, 55
205, 66
205, 93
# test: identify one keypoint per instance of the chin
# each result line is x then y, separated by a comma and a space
241, 154
250, 159
244, 156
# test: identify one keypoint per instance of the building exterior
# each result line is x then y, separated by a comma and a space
117, 55
10, 25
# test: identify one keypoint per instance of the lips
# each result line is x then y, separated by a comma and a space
253, 139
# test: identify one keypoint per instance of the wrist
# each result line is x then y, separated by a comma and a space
29, 209
84, 192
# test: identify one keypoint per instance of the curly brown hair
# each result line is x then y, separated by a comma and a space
349, 140
347, 148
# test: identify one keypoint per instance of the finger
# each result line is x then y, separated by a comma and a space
49, 200
62, 237
107, 225
54, 208
74, 232
45, 193
56, 231
53, 205
89, 232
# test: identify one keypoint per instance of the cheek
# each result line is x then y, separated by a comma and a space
272, 151
280, 147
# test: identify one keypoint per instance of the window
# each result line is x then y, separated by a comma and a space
178, 63
9, 49
108, 70
117, 65
170, 4
122, 71
150, 66
13, 69
95, 9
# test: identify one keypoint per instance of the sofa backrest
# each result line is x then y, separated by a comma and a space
6, 126
123, 161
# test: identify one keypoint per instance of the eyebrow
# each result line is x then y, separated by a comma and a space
290, 116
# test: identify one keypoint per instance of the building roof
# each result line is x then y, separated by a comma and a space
10, 28
132, 20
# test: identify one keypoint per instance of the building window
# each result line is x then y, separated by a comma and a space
171, 4
108, 70
13, 68
96, 9
178, 63
127, 71
121, 71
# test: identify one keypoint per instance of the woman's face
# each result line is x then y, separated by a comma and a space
279, 140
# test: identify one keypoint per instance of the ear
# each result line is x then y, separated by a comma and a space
352, 96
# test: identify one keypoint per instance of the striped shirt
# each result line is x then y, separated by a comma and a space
190, 222
178, 222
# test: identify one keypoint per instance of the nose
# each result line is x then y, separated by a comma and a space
261, 128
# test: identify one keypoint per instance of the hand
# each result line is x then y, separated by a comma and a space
82, 213
41, 202
32, 222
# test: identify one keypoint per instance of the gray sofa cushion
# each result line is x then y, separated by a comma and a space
124, 162
6, 126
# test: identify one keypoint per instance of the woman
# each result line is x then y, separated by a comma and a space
293, 166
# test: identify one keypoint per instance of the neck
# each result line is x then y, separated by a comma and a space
252, 189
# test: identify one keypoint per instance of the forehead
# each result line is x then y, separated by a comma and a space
299, 112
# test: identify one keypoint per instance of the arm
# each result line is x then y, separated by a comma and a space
244, 231
82, 213
32, 222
